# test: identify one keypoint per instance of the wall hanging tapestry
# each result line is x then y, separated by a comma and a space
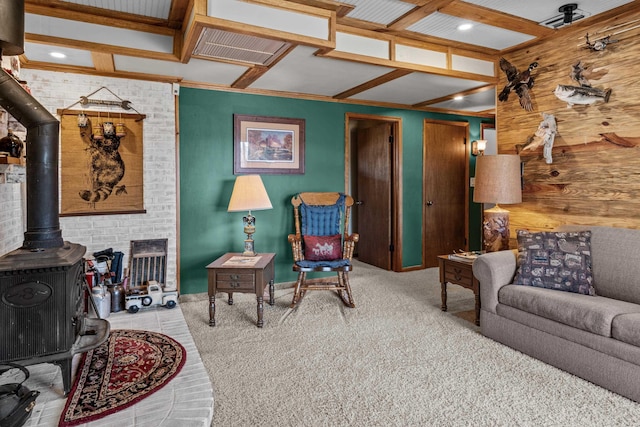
126, 368
101, 170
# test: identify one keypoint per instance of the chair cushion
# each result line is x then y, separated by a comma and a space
555, 260
323, 248
305, 263
321, 220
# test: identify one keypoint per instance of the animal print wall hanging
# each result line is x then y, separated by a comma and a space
101, 170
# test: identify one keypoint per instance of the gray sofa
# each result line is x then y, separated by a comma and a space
596, 337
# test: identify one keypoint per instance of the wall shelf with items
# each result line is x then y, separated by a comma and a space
12, 135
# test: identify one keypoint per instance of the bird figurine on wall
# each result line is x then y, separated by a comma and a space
600, 44
578, 73
519, 82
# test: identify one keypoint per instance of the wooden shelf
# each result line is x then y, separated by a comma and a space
5, 160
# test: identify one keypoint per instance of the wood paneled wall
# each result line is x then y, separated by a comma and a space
595, 174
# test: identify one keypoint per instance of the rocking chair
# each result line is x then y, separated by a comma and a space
322, 243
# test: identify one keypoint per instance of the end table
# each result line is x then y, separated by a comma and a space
458, 273
233, 272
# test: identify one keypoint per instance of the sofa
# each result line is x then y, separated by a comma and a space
596, 335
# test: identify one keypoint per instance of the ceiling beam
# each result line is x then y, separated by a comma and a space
103, 62
418, 13
257, 71
48, 66
249, 76
96, 15
177, 13
98, 47
395, 74
453, 95
495, 19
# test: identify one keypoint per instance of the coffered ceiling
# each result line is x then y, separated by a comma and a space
400, 53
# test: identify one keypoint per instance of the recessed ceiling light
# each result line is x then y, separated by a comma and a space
458, 97
58, 55
465, 27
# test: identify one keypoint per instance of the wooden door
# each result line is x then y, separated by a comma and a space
445, 191
373, 208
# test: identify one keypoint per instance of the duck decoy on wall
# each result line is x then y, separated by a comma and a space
519, 82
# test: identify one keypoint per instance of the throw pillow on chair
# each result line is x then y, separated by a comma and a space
322, 248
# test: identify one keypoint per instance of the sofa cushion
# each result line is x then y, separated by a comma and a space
555, 260
626, 328
606, 345
615, 263
590, 313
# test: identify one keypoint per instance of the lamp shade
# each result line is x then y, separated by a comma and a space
498, 179
249, 194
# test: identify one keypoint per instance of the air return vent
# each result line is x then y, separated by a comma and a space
230, 46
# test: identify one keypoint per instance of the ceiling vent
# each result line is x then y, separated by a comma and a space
225, 45
569, 13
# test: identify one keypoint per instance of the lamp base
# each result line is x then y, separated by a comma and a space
248, 247
495, 229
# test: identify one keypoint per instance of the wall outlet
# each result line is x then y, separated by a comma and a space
472, 181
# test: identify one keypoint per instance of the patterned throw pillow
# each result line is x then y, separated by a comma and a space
555, 260
322, 248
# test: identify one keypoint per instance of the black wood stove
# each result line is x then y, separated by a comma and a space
42, 313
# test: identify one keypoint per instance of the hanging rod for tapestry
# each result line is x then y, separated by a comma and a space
124, 104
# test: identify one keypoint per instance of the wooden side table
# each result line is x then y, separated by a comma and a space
458, 273
233, 272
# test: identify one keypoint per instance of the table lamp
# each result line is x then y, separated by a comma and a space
249, 194
498, 181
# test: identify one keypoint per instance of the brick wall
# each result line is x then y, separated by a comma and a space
12, 216
155, 100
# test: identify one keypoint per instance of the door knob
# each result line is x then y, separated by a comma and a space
359, 202
429, 203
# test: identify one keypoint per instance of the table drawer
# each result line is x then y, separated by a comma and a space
236, 280
457, 273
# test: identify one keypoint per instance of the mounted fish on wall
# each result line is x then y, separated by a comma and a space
519, 82
584, 94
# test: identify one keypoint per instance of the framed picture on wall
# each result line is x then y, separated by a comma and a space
268, 145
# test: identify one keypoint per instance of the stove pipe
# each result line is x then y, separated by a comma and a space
43, 224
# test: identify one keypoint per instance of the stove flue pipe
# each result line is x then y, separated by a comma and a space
43, 223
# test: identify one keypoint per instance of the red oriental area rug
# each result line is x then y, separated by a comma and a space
129, 366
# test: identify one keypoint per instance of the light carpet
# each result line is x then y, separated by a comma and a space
394, 360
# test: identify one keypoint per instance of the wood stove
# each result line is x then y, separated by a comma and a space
42, 313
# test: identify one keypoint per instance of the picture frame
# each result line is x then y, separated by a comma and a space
268, 145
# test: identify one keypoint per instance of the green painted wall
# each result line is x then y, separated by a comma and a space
207, 230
